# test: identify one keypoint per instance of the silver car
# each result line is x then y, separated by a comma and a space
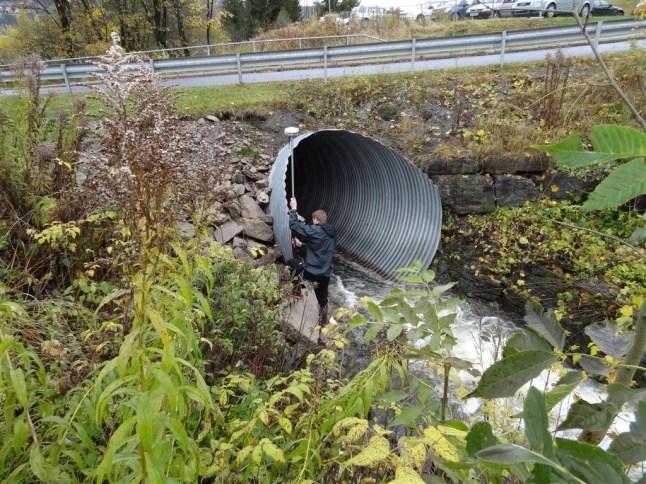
550, 8
500, 8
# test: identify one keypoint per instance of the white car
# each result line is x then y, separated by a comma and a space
423, 11
368, 13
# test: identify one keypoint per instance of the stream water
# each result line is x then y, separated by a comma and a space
481, 331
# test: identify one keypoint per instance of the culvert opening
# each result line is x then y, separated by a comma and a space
387, 213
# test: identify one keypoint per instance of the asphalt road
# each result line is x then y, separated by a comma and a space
388, 68
397, 67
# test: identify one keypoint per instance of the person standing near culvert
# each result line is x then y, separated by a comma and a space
320, 242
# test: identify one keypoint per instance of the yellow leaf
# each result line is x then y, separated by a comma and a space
554, 188
626, 311
256, 455
406, 475
378, 449
542, 123
272, 451
440, 445
413, 451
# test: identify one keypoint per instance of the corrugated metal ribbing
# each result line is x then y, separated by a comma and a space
386, 212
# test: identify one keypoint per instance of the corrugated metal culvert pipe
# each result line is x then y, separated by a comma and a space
387, 213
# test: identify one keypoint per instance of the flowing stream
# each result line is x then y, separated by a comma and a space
481, 331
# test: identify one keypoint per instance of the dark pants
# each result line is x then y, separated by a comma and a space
321, 283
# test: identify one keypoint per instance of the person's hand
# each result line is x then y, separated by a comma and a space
296, 242
292, 203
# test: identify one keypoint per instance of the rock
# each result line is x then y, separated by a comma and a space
240, 254
253, 175
457, 166
212, 118
301, 317
563, 186
240, 178
226, 232
258, 230
234, 209
262, 198
249, 207
268, 219
532, 164
264, 260
186, 230
514, 191
466, 193
239, 190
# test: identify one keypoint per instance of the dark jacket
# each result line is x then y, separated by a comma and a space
320, 241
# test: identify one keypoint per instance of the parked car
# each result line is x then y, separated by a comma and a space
368, 13
549, 8
469, 9
500, 8
602, 8
423, 11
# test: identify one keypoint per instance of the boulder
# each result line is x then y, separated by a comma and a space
466, 193
249, 207
563, 186
224, 233
456, 166
258, 230
302, 317
514, 191
534, 164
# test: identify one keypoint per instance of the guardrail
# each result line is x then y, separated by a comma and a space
326, 56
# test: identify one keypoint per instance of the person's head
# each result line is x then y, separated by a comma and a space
319, 217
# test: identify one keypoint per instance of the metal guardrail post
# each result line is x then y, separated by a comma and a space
503, 46
239, 67
412, 57
151, 64
253, 45
208, 50
325, 63
66, 79
300, 43
597, 33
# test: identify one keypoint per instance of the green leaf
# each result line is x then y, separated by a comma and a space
505, 377
393, 396
409, 313
563, 388
630, 446
372, 332
589, 463
610, 143
611, 340
19, 386
502, 455
526, 340
480, 437
119, 438
407, 415
589, 416
546, 324
624, 183
620, 394
536, 431
637, 236
145, 427
393, 331
375, 311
